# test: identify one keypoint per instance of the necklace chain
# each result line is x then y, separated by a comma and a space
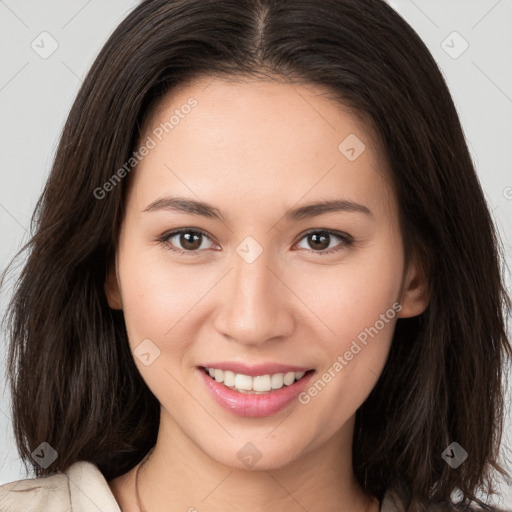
143, 463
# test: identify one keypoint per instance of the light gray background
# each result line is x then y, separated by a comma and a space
36, 94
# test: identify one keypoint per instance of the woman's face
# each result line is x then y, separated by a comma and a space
267, 284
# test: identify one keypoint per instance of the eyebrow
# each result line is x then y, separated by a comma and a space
193, 207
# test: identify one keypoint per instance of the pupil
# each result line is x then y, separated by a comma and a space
316, 237
188, 244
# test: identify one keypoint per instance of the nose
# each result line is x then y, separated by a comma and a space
256, 306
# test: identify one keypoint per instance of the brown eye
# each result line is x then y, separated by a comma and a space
185, 241
189, 241
320, 240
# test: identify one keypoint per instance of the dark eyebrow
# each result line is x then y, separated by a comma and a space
181, 204
193, 207
312, 210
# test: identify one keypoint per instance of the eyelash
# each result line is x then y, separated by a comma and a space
346, 240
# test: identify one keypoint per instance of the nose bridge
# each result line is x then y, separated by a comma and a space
255, 306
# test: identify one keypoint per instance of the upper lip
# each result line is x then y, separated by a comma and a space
254, 370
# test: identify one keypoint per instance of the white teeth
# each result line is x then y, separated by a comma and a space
289, 378
277, 380
229, 379
261, 383
258, 384
242, 381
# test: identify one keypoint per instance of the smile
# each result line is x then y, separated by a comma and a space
258, 395
254, 385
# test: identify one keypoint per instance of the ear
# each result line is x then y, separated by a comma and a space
112, 290
415, 295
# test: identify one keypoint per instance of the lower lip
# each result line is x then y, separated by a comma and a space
253, 405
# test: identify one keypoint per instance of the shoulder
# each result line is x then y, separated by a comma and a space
41, 492
78, 489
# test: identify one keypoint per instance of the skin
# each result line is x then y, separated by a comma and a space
255, 150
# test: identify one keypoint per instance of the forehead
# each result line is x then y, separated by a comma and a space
270, 107
258, 138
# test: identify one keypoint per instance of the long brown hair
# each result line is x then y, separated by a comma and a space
73, 381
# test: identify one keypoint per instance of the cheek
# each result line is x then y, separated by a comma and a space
357, 307
351, 297
155, 296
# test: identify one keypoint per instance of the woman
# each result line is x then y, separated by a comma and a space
263, 276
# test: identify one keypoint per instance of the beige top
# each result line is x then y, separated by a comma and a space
82, 488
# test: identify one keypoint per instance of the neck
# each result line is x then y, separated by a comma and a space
179, 476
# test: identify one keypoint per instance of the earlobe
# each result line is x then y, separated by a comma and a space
415, 295
112, 290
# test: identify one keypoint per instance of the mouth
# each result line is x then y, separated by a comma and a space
258, 384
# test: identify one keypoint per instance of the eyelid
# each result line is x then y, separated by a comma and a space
164, 239
346, 239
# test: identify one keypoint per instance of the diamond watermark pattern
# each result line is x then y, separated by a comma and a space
146, 352
44, 45
249, 455
454, 45
44, 455
352, 147
454, 455
249, 249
